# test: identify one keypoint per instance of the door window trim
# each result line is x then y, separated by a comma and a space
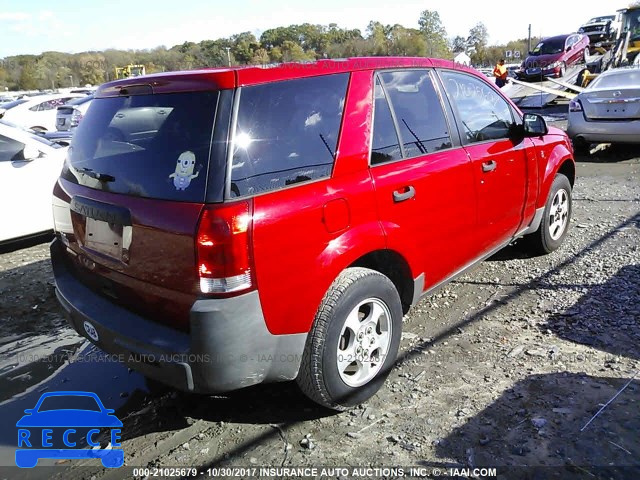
456, 112
455, 140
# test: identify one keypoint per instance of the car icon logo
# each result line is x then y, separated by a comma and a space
91, 331
54, 430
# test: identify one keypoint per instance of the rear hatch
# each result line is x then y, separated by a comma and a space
142, 163
63, 118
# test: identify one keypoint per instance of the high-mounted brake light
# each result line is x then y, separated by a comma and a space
223, 248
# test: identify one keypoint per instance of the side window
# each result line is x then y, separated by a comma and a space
418, 111
385, 146
10, 149
286, 133
483, 114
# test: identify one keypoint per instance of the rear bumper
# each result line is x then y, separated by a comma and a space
228, 346
622, 131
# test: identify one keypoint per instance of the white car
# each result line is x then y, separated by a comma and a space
29, 168
608, 111
36, 113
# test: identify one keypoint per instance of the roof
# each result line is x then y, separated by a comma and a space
558, 37
230, 77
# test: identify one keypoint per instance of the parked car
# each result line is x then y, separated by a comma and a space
552, 56
68, 116
29, 167
36, 113
181, 248
602, 31
608, 110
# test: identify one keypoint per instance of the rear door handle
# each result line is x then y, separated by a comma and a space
405, 194
489, 166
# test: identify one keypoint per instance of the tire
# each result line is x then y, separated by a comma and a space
356, 297
581, 146
556, 218
585, 55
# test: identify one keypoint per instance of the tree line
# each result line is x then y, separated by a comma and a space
304, 42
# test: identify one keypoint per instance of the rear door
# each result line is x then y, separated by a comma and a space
423, 179
499, 162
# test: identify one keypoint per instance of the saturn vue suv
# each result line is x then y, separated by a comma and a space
280, 220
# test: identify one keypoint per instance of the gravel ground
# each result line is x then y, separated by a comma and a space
501, 368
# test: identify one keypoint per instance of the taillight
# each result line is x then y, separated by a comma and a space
76, 116
575, 106
223, 248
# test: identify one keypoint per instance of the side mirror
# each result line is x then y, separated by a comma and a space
30, 153
534, 125
568, 49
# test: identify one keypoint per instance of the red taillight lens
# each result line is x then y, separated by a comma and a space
76, 116
223, 248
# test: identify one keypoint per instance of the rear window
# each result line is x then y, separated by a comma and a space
286, 133
152, 146
80, 101
628, 79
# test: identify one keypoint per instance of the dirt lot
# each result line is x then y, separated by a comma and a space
501, 368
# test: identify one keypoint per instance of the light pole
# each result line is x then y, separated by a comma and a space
228, 55
71, 80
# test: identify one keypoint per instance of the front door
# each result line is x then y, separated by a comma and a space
499, 161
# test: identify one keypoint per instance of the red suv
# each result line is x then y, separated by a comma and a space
277, 222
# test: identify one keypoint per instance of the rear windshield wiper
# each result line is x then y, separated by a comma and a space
101, 177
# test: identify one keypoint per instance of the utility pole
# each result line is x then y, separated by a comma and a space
228, 55
529, 45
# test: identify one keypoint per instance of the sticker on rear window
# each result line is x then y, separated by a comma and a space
183, 174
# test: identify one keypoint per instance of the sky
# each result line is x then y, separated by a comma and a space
34, 26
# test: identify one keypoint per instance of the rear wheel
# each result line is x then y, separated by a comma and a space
353, 343
555, 221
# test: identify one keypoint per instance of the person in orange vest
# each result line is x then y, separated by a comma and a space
500, 72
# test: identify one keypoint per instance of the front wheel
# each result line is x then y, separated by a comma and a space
354, 340
555, 221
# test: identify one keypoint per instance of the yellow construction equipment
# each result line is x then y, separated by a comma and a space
129, 71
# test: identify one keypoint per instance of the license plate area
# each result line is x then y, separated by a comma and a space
102, 229
104, 238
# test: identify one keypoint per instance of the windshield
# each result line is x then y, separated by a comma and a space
549, 47
632, 24
604, 19
152, 146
